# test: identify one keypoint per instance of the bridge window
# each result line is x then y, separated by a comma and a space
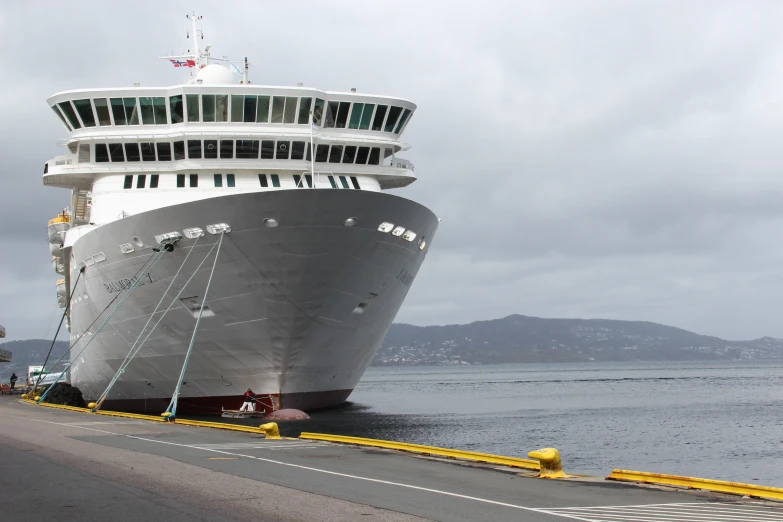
337, 154
164, 151
154, 181
194, 149
175, 106
115, 151
363, 154
331, 181
331, 113
230, 182
262, 110
132, 152
290, 109
344, 182
194, 180
262, 180
84, 153
70, 114
84, 107
226, 149
159, 105
380, 115
210, 149
238, 108
118, 111
297, 150
342, 115
221, 107
62, 118
394, 114
148, 151
267, 149
147, 112
309, 179
218, 180
278, 107
356, 116
304, 111
318, 111
366, 116
101, 153
350, 154
179, 150
131, 111
250, 109
180, 181
283, 150
208, 102
141, 181
321, 153
128, 182
355, 183
375, 156
102, 109
403, 120
275, 180
247, 149
297, 180
191, 102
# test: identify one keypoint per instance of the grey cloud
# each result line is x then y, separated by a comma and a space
601, 159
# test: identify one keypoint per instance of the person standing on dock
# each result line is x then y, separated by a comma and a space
250, 401
13, 380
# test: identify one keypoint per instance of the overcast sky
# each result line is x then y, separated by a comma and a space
589, 159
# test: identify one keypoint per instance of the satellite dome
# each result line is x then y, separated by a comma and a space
215, 74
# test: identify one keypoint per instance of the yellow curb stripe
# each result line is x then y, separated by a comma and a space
721, 486
426, 450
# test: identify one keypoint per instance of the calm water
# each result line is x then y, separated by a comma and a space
714, 420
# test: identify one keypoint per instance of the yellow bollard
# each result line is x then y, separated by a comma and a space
92, 406
37, 398
270, 430
24, 396
166, 414
549, 459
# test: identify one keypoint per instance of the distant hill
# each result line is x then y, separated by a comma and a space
29, 353
522, 339
513, 339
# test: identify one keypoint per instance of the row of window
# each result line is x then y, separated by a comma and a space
229, 149
299, 181
194, 108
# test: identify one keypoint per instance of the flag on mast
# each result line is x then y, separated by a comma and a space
180, 63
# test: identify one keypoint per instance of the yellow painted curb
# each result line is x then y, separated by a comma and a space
721, 486
218, 425
427, 450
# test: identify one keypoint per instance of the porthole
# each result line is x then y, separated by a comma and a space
351, 221
385, 227
398, 231
137, 241
271, 223
283, 146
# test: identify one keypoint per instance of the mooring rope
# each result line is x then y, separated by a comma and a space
116, 296
136, 283
171, 410
54, 340
132, 352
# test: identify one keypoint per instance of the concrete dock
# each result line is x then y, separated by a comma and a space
59, 464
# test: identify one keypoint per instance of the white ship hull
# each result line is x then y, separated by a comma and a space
296, 312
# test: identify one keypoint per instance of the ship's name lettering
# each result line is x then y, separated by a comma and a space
405, 277
124, 284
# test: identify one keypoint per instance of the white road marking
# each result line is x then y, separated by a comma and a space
703, 512
258, 445
699, 512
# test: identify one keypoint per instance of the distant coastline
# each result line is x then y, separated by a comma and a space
515, 339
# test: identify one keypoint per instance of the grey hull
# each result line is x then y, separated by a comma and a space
296, 311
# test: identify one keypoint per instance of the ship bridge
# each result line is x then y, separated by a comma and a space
137, 149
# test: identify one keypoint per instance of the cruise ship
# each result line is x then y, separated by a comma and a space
283, 190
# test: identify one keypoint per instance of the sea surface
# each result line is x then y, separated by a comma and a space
714, 420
